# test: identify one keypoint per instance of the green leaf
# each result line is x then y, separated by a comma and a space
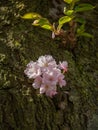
81, 32
48, 27
86, 35
80, 20
43, 23
81, 29
76, 0
83, 7
31, 16
69, 12
64, 19
68, 1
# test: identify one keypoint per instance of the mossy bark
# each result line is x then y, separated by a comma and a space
21, 108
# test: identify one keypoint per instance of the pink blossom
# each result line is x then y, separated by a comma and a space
46, 61
37, 82
32, 70
61, 80
63, 65
51, 93
47, 74
48, 90
50, 76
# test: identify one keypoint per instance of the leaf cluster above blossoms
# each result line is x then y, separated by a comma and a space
71, 15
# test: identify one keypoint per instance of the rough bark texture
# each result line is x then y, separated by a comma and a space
20, 107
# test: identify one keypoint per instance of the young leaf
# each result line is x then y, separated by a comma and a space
68, 1
64, 10
36, 22
80, 20
81, 29
31, 16
69, 12
44, 23
48, 27
83, 7
86, 35
64, 19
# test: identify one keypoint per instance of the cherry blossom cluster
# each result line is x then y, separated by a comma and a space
47, 74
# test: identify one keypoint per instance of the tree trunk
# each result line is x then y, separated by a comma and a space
21, 108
